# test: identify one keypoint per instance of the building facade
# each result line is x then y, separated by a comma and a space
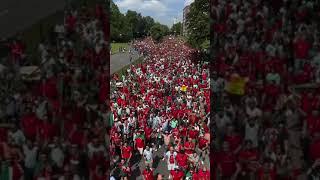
186, 10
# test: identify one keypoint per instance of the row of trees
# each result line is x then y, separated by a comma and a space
132, 25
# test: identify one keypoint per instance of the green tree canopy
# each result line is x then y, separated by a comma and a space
198, 24
132, 25
176, 28
158, 31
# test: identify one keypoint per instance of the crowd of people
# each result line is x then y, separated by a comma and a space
55, 125
161, 110
265, 90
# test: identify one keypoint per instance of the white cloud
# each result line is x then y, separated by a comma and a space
154, 6
188, 2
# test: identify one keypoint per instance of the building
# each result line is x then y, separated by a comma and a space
186, 10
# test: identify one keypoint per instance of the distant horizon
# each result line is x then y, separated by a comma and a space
162, 11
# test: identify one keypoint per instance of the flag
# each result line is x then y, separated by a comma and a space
236, 85
183, 88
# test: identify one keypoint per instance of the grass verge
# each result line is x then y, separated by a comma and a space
115, 47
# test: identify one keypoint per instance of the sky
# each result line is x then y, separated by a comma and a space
163, 11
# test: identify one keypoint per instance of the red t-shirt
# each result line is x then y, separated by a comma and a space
182, 160
202, 143
313, 124
193, 134
17, 171
47, 130
139, 143
177, 175
189, 147
148, 175
314, 150
249, 154
270, 176
30, 125
227, 162
148, 132
126, 152
306, 103
77, 138
203, 175
301, 49
234, 141
71, 22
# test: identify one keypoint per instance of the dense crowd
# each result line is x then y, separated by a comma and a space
266, 100
54, 125
161, 105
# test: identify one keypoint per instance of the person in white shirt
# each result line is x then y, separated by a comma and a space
56, 153
148, 156
30, 153
17, 136
221, 120
95, 147
252, 110
252, 132
170, 156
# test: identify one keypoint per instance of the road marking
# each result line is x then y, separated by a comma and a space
4, 12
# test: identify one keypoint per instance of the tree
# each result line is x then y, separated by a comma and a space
176, 28
158, 31
149, 22
198, 26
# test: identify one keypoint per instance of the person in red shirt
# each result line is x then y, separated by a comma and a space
139, 143
47, 130
233, 138
249, 157
193, 133
125, 170
177, 174
126, 152
203, 174
226, 162
29, 124
314, 147
267, 171
301, 51
189, 146
148, 133
312, 123
182, 159
148, 174
203, 145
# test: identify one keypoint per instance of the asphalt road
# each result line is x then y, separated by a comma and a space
120, 60
17, 15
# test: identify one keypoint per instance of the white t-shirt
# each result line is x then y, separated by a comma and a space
30, 156
18, 137
251, 133
221, 122
57, 156
255, 112
147, 154
168, 154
